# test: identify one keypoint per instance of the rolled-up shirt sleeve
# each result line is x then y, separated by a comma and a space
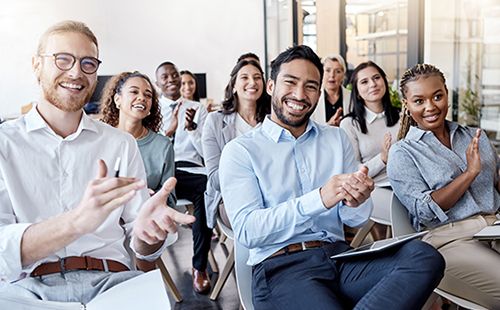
412, 190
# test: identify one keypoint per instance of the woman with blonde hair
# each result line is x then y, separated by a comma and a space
334, 101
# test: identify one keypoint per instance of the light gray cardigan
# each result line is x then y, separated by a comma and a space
218, 130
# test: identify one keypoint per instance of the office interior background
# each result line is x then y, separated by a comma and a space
461, 37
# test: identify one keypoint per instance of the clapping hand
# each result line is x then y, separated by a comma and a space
102, 196
189, 123
386, 145
156, 220
472, 155
174, 122
353, 188
336, 118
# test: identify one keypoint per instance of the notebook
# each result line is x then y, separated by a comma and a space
146, 291
378, 246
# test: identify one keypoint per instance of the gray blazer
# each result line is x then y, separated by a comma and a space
218, 130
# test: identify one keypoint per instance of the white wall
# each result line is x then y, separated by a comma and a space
199, 35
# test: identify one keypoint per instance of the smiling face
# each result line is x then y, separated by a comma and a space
68, 90
370, 85
249, 84
295, 94
135, 99
427, 101
333, 76
188, 86
169, 81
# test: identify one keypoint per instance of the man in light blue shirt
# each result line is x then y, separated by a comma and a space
290, 186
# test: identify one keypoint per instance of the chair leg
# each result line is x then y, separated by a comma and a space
212, 262
226, 271
168, 281
362, 233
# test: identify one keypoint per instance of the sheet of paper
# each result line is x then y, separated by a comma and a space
194, 170
146, 291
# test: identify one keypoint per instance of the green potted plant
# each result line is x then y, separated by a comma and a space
470, 107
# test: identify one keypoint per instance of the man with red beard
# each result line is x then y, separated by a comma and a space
63, 226
290, 186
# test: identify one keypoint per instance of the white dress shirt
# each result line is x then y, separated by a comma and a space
187, 144
43, 175
367, 147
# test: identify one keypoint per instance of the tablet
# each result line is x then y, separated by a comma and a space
378, 246
489, 232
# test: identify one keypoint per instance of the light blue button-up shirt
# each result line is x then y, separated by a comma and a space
420, 164
270, 183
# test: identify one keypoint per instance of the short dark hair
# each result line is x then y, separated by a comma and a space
248, 55
166, 63
296, 52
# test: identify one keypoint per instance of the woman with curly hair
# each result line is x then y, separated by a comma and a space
130, 103
244, 108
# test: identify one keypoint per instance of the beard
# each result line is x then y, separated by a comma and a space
280, 114
70, 103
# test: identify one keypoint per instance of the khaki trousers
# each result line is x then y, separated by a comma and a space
472, 266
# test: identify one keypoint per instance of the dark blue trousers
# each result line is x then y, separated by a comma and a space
398, 278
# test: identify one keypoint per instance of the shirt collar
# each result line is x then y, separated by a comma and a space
35, 121
371, 116
416, 133
169, 101
276, 132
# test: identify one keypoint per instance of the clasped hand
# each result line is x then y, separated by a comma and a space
353, 189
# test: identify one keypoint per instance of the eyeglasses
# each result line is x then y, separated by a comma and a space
66, 61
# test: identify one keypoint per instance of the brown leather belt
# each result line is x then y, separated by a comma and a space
301, 246
78, 263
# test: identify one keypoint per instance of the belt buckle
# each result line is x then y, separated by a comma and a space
88, 262
62, 266
303, 246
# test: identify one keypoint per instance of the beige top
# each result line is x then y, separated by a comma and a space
367, 147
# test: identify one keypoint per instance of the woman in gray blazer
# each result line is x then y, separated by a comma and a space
244, 108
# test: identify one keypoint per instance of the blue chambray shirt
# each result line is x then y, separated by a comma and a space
421, 164
270, 182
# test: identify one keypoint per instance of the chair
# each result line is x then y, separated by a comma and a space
243, 275
229, 265
401, 225
381, 198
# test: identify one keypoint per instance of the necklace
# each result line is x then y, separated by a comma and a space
143, 133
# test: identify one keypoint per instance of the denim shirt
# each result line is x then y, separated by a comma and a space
271, 183
421, 164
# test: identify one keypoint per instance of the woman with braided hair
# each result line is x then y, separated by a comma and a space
446, 175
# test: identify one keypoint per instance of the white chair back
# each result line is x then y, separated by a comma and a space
381, 198
243, 275
400, 222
